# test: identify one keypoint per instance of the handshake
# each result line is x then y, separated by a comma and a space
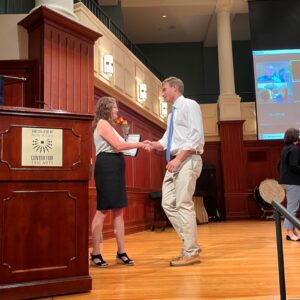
149, 146
172, 166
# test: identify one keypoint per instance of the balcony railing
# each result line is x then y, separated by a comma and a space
100, 14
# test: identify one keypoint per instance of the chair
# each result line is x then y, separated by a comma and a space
206, 187
201, 213
159, 217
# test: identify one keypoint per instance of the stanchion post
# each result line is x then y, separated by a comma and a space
280, 255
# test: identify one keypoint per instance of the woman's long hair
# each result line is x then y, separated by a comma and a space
103, 110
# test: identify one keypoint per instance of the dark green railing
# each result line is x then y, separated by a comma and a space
279, 211
100, 14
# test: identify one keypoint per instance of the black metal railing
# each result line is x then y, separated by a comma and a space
100, 14
278, 212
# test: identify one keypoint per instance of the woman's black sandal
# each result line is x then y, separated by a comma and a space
122, 258
98, 261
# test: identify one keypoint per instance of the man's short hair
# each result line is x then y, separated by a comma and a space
175, 81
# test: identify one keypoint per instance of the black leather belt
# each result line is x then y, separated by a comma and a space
193, 152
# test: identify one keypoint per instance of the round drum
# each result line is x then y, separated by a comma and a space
270, 190
267, 191
261, 202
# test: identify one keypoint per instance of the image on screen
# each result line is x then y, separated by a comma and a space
277, 87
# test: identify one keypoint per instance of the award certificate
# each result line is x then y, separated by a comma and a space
132, 138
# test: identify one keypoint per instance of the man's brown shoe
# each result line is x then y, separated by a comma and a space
185, 261
176, 258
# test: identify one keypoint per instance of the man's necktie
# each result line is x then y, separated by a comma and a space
170, 133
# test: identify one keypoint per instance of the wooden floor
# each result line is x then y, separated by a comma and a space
238, 261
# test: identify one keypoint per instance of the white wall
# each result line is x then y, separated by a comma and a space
14, 38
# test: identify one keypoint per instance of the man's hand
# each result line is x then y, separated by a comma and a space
173, 165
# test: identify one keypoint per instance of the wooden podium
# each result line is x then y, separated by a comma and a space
44, 173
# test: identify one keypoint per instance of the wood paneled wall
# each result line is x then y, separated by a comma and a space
18, 92
262, 158
259, 160
233, 165
247, 164
255, 160
144, 173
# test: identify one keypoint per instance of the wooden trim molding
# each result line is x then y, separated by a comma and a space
44, 15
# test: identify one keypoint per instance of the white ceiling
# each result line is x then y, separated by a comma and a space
185, 21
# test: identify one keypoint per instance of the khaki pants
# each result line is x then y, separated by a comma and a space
177, 202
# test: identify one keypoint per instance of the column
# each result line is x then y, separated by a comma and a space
229, 102
64, 7
230, 123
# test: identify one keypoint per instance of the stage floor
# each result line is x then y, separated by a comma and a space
238, 261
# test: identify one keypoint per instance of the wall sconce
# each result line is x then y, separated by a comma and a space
163, 109
142, 92
108, 65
